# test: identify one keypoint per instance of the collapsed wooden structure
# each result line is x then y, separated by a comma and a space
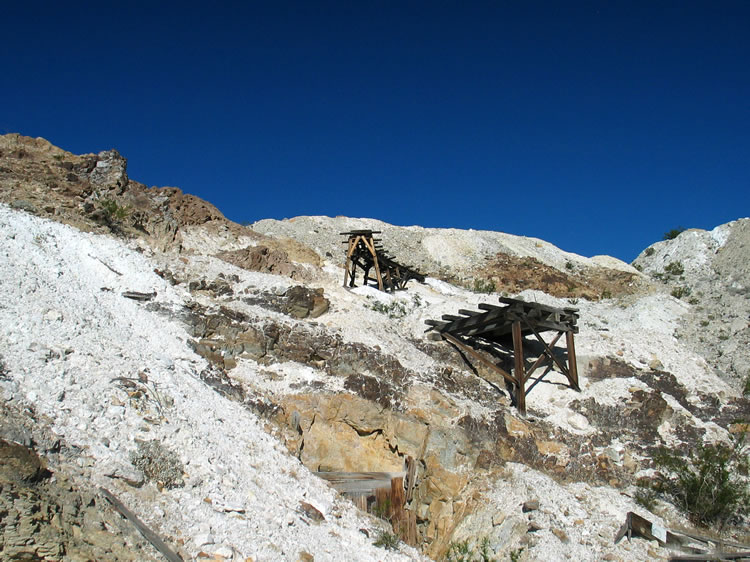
498, 329
366, 252
384, 494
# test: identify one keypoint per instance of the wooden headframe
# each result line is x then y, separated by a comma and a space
364, 251
494, 324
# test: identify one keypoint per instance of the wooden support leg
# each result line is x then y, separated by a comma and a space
397, 515
519, 372
572, 364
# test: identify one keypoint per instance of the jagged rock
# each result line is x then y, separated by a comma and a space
264, 260
19, 463
302, 302
110, 172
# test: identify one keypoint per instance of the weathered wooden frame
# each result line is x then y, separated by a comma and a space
518, 319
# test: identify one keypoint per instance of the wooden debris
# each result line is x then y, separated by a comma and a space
136, 296
150, 536
714, 548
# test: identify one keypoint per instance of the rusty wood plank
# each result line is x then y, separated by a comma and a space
473, 353
359, 500
451, 317
150, 536
520, 371
411, 477
359, 482
468, 312
398, 502
383, 502
572, 361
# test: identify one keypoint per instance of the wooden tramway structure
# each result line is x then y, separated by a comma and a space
364, 251
493, 326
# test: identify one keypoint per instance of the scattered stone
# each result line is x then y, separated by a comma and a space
655, 365
560, 534
530, 505
534, 526
311, 511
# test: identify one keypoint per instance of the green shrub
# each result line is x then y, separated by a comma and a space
679, 292
674, 268
468, 551
113, 211
396, 309
484, 286
746, 388
387, 540
674, 233
650, 251
709, 485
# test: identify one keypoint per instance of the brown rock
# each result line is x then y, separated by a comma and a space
311, 511
530, 505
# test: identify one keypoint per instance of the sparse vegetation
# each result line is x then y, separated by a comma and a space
387, 540
710, 485
674, 233
484, 286
746, 388
113, 212
469, 551
649, 251
515, 555
679, 292
394, 310
158, 464
674, 268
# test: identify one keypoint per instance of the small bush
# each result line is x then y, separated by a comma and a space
674, 268
484, 286
650, 251
746, 388
679, 292
674, 233
387, 540
112, 211
467, 551
396, 309
709, 485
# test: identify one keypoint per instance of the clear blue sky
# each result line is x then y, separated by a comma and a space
595, 125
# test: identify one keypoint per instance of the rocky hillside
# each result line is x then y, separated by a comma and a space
467, 257
201, 371
710, 270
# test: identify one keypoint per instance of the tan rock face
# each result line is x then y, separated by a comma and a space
337, 447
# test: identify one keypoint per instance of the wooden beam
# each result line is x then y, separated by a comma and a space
550, 353
520, 371
152, 537
572, 361
473, 353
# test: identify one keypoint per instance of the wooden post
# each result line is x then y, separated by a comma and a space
572, 364
398, 518
519, 371
382, 502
